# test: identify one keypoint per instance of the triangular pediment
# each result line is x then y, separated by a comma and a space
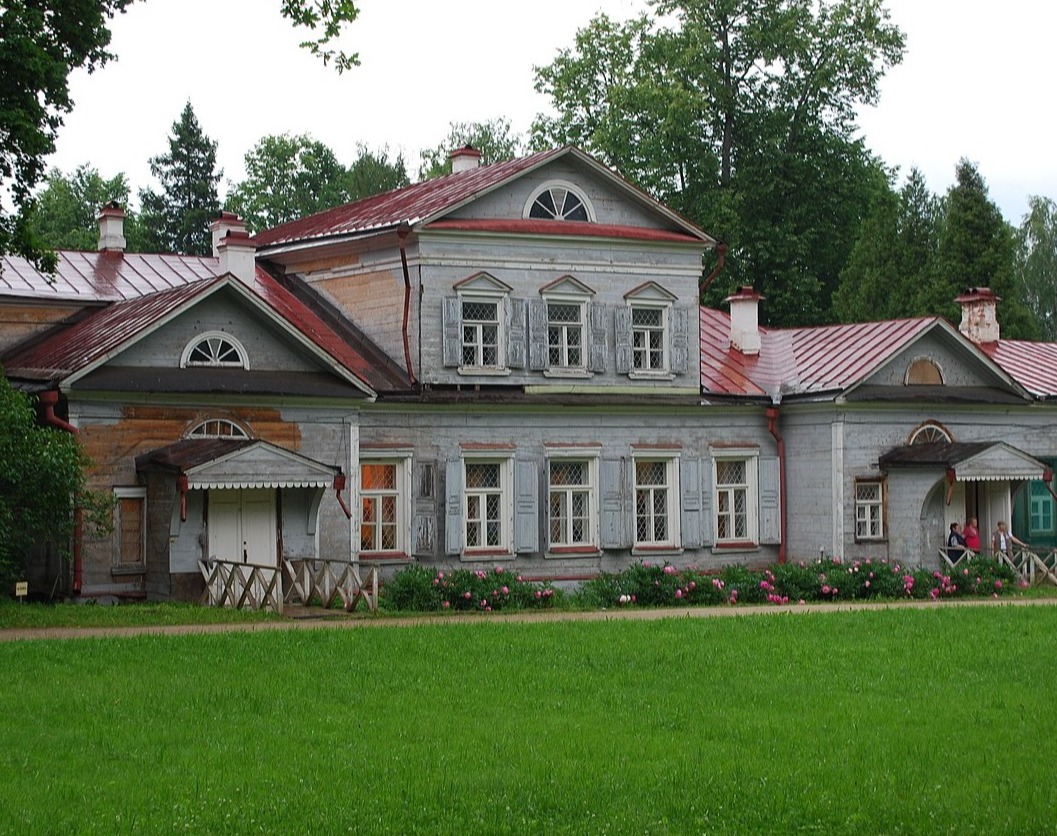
483, 283
1000, 461
650, 292
567, 285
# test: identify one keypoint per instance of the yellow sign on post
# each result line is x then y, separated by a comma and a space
21, 589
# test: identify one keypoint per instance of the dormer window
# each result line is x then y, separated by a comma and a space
217, 428
559, 201
214, 349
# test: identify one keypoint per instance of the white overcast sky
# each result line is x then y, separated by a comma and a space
976, 82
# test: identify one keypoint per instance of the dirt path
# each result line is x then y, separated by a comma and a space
308, 619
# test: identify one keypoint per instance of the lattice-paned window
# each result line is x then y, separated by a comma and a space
732, 500
565, 334
380, 506
869, 510
480, 332
485, 526
654, 502
648, 339
559, 203
215, 349
570, 521
217, 428
130, 527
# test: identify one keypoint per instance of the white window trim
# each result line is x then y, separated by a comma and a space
500, 300
589, 455
239, 434
223, 335
581, 301
403, 504
879, 504
665, 372
129, 493
506, 505
751, 457
673, 544
560, 184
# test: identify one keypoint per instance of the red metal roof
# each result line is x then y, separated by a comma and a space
800, 361
571, 228
1033, 365
104, 276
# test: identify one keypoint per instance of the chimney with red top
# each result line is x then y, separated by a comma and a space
221, 226
237, 251
745, 320
112, 228
466, 158
979, 321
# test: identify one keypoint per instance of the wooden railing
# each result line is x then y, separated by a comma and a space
307, 582
1033, 567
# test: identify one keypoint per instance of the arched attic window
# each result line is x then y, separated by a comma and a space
928, 432
217, 428
923, 371
559, 201
214, 349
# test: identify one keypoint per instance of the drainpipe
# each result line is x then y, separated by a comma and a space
772, 427
721, 251
182, 487
339, 486
49, 399
402, 232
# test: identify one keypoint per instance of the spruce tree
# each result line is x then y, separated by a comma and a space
177, 219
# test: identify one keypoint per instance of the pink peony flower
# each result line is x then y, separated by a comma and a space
539, 594
669, 569
506, 590
998, 584
467, 595
445, 604
678, 593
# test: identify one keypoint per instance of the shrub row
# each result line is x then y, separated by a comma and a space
420, 589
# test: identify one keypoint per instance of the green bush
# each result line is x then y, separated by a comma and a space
421, 589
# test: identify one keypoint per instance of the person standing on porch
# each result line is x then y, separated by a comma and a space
1003, 539
955, 544
971, 533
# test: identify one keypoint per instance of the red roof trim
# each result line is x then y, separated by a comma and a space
533, 226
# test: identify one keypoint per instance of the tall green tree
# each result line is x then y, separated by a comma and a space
373, 172
976, 249
64, 215
495, 139
1036, 263
41, 43
741, 115
177, 218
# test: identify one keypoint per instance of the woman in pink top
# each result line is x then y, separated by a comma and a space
971, 534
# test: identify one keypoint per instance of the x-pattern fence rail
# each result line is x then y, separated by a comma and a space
256, 587
1033, 567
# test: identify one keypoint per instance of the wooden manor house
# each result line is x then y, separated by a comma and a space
506, 366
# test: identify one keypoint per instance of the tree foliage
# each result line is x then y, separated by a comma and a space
1036, 263
742, 116
494, 139
177, 218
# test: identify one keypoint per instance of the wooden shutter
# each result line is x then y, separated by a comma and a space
680, 340
708, 513
516, 336
453, 506
537, 312
622, 339
770, 501
424, 513
526, 507
613, 523
690, 502
452, 327
598, 360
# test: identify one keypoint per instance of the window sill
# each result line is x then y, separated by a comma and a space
659, 375
571, 552
484, 371
576, 374
131, 569
384, 557
871, 541
656, 551
486, 554
740, 546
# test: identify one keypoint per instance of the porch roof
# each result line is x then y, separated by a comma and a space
975, 461
222, 463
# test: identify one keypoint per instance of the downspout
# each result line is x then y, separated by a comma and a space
182, 487
402, 232
1047, 478
339, 486
721, 251
49, 399
772, 428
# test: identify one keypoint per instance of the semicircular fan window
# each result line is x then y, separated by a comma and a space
215, 350
559, 203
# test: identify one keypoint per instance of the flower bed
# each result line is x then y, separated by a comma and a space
419, 589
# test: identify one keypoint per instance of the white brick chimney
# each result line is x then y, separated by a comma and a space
219, 228
237, 251
745, 320
112, 228
466, 158
979, 321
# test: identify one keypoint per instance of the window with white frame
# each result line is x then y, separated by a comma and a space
481, 332
869, 509
217, 428
486, 505
571, 503
649, 338
559, 201
565, 334
737, 499
130, 527
655, 503
383, 504
214, 349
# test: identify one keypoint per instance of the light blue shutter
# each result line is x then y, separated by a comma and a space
516, 336
537, 312
770, 501
613, 523
708, 514
690, 497
622, 339
451, 335
598, 360
424, 519
453, 507
680, 340
526, 507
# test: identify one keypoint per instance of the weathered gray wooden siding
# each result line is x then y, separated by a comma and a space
265, 347
957, 365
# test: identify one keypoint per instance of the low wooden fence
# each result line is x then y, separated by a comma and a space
1033, 567
306, 582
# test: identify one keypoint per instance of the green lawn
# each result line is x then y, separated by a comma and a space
922, 720
21, 615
